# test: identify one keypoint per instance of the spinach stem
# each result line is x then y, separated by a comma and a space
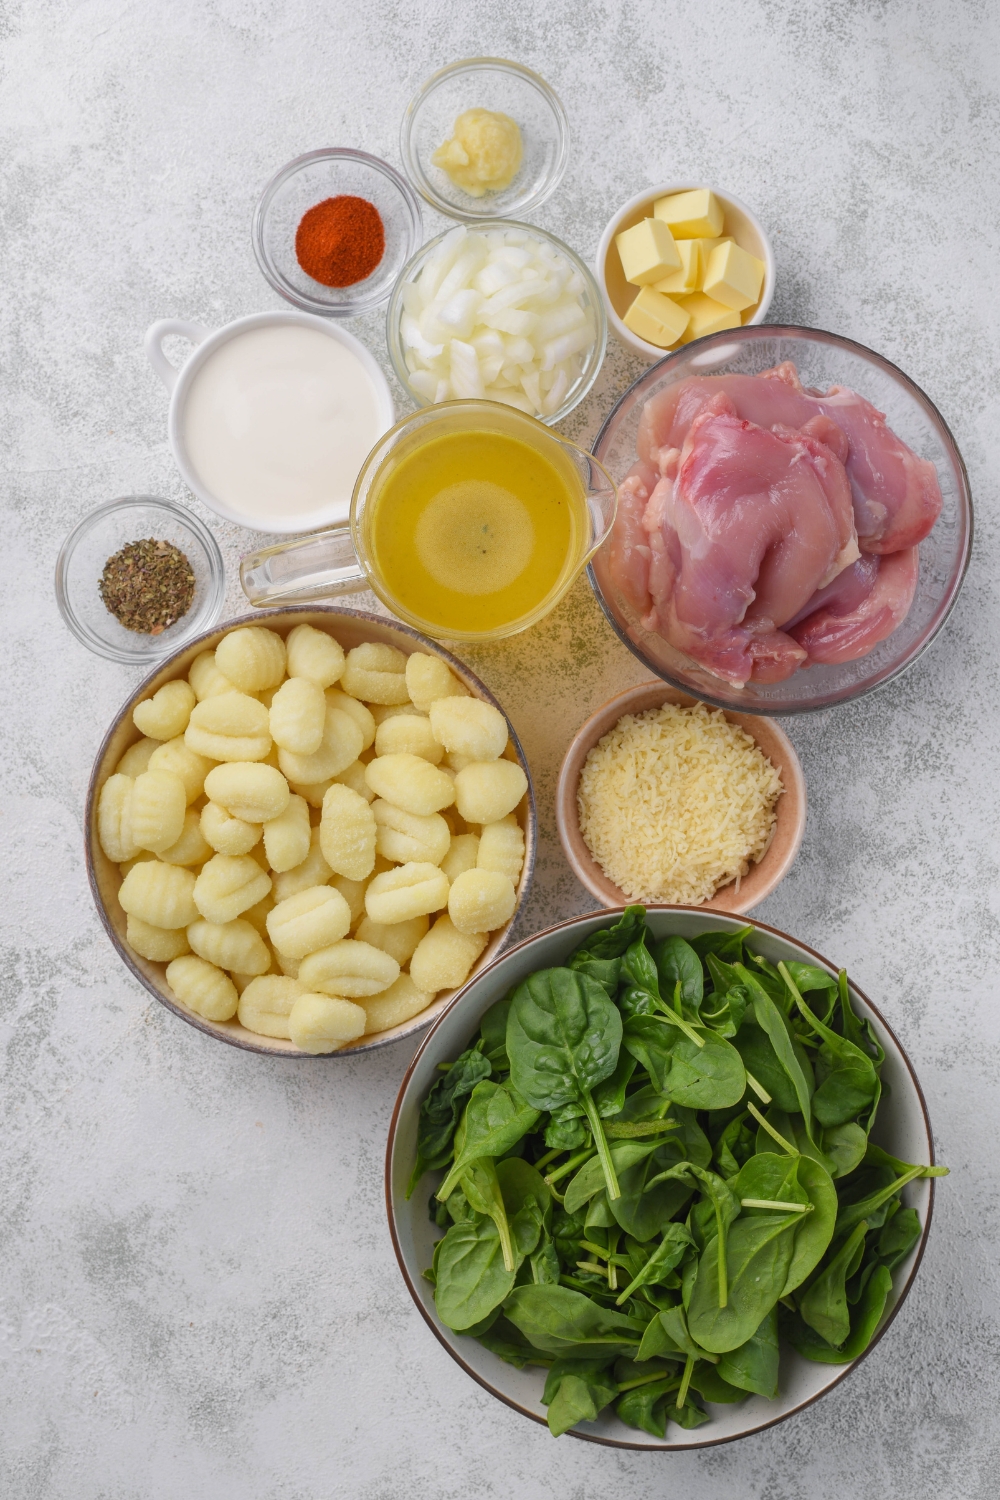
721, 1253
594, 1249
666, 1014
792, 1150
631, 1385
569, 1166
758, 1088
792, 1208
600, 1141
689, 1365
613, 1237
590, 1265
543, 1161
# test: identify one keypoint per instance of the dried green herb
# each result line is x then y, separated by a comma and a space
147, 586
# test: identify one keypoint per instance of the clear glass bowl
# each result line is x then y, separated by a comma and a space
309, 180
592, 299
510, 89
103, 533
822, 359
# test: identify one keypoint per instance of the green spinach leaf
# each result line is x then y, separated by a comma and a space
707, 1077
495, 1119
754, 1365
470, 1273
559, 1321
577, 1390
439, 1113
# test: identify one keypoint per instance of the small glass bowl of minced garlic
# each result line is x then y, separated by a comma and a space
504, 120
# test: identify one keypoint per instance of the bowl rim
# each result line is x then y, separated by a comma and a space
590, 1437
197, 359
589, 872
378, 1039
350, 307
414, 168
749, 333
394, 313
214, 594
652, 352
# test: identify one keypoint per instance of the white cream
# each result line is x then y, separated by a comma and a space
278, 422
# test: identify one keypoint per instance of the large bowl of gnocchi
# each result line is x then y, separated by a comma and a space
304, 836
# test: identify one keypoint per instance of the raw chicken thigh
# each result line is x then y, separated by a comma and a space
764, 526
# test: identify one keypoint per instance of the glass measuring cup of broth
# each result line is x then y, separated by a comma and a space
469, 520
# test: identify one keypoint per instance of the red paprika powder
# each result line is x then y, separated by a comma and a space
340, 241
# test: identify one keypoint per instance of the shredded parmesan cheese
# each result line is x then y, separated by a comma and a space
676, 802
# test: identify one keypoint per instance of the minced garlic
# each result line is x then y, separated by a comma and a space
484, 152
675, 803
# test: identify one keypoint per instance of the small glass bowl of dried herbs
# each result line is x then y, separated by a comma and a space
138, 577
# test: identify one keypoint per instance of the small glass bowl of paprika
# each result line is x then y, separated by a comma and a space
349, 218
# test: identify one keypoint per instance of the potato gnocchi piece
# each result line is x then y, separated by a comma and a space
166, 714
266, 1003
179, 760
297, 715
501, 848
230, 726
230, 945
136, 758
353, 892
456, 762
156, 810
314, 655
321, 1023
410, 890
206, 679
128, 864
248, 790
162, 895
340, 746
376, 673
257, 914
462, 855
382, 711
355, 778
481, 901
159, 944
410, 783
192, 848
405, 837
349, 969
408, 734
399, 940
227, 886
313, 919
347, 833
288, 966
445, 956
252, 657
487, 791
114, 821
468, 726
287, 838
361, 715
313, 870
429, 678
203, 988
312, 791
226, 834
400, 1002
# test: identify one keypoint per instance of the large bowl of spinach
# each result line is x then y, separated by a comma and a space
660, 1177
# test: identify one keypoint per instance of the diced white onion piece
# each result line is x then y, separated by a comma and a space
441, 263
556, 394
513, 398
412, 301
494, 275
531, 388
458, 315
564, 315
466, 380
566, 344
424, 383
468, 263
519, 351
512, 320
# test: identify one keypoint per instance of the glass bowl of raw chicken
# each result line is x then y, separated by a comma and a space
794, 520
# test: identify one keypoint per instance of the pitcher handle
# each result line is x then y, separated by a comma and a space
321, 566
153, 345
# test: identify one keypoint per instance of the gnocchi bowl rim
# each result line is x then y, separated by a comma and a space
102, 872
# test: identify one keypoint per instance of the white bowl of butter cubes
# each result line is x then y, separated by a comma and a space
498, 311
304, 836
677, 263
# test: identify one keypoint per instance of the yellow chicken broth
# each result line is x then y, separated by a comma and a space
473, 531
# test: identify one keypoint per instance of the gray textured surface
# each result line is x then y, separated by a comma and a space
198, 1295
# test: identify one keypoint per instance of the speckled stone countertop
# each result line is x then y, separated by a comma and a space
198, 1295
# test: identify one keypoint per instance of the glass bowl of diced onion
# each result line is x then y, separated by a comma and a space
497, 310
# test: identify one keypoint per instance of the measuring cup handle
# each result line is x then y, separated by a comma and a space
153, 345
320, 566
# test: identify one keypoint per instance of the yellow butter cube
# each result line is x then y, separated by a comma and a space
687, 278
691, 215
705, 248
647, 252
706, 317
657, 319
733, 277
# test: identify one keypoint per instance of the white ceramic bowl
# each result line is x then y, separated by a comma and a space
178, 381
740, 222
351, 628
903, 1128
